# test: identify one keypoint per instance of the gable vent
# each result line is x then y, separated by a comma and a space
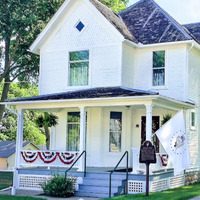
80, 26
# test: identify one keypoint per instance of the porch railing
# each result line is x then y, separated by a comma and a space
83, 153
48, 158
110, 181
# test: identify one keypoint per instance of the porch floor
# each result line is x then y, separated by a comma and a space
91, 170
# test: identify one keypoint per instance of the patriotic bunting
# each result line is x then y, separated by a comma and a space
67, 158
164, 159
29, 157
49, 157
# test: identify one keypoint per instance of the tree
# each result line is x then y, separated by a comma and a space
8, 125
47, 120
20, 22
116, 5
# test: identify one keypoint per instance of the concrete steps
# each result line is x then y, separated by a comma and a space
97, 185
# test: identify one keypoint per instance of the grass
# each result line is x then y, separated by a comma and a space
182, 193
6, 179
8, 197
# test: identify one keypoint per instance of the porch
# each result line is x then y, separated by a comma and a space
103, 127
96, 182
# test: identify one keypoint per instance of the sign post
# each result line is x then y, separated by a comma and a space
147, 156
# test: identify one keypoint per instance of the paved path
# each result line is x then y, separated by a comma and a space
38, 194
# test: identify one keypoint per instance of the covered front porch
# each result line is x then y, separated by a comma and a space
104, 127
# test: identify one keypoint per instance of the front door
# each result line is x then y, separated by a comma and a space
155, 127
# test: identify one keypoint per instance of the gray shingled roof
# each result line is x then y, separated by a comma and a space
194, 29
7, 148
151, 24
89, 94
114, 19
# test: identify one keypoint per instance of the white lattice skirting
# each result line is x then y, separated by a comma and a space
35, 182
135, 187
32, 182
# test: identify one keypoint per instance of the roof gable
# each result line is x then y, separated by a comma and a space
111, 19
114, 19
194, 29
151, 24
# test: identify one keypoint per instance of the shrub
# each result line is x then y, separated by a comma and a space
59, 187
192, 177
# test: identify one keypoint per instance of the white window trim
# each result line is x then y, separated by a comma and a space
195, 121
67, 124
71, 87
162, 87
108, 152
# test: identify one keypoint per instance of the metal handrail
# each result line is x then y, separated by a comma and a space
84, 152
110, 183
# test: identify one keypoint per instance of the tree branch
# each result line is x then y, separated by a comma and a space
7, 66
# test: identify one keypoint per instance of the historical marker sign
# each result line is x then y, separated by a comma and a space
147, 153
147, 156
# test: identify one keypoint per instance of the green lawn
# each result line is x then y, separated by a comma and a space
8, 197
182, 193
6, 179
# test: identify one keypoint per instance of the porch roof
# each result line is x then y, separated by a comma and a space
101, 92
95, 97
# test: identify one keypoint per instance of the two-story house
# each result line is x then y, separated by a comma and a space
110, 78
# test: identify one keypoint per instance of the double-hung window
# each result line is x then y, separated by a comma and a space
73, 131
115, 131
79, 68
158, 68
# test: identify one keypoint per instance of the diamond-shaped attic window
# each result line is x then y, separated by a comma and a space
80, 26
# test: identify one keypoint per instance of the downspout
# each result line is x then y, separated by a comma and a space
12, 111
187, 71
15, 170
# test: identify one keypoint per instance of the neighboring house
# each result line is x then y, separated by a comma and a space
7, 153
110, 78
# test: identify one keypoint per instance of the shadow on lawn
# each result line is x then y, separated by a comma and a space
182, 193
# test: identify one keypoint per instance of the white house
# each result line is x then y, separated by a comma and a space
110, 78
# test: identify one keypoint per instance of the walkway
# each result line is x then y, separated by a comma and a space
38, 194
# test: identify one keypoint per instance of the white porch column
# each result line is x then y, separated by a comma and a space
149, 122
19, 145
82, 136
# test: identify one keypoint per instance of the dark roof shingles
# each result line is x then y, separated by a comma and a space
89, 94
114, 19
194, 29
7, 148
151, 24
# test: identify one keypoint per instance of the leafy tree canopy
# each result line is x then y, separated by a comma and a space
8, 125
115, 5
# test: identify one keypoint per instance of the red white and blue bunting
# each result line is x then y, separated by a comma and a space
67, 158
29, 157
48, 157
164, 159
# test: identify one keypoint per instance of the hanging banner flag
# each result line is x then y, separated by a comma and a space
172, 136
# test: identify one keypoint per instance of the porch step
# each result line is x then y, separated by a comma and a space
106, 175
102, 182
97, 188
97, 185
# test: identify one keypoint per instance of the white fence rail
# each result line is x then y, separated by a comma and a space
48, 158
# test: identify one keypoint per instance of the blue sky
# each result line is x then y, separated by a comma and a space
184, 11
